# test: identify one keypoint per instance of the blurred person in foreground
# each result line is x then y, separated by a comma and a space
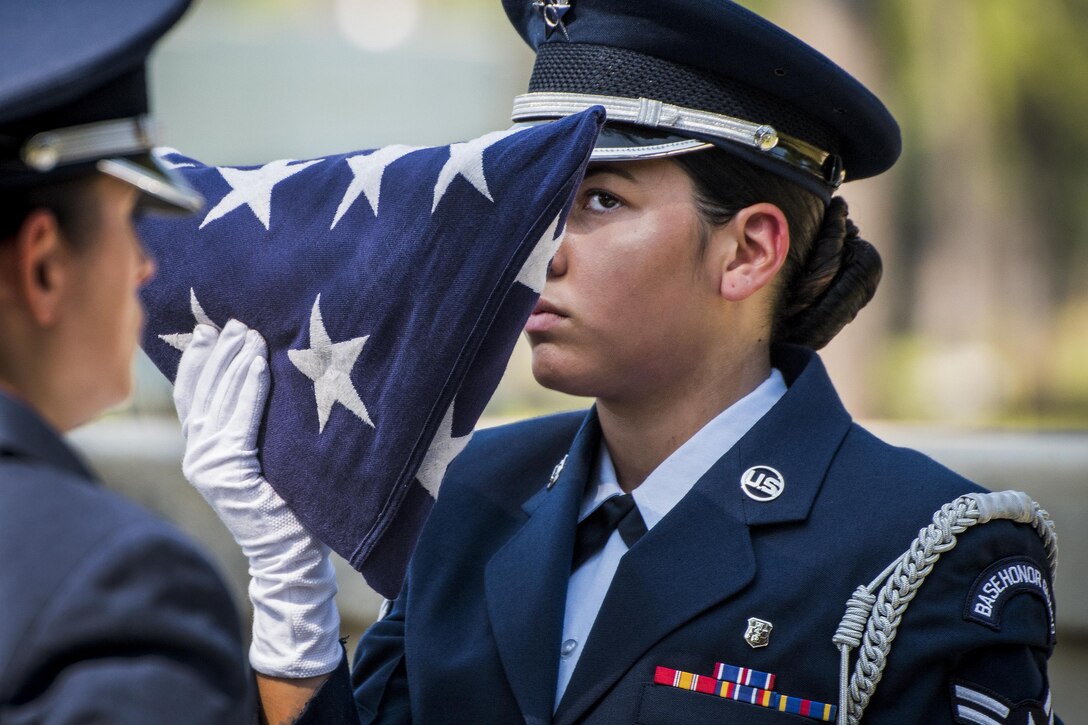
109, 614
683, 551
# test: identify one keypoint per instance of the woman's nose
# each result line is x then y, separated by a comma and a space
558, 266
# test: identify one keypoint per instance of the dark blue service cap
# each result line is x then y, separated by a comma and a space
677, 76
73, 94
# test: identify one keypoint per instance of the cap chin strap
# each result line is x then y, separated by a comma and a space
47, 150
649, 151
872, 620
657, 114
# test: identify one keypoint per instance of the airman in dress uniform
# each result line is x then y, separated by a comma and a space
683, 552
109, 615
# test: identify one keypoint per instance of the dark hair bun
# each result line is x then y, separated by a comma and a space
838, 277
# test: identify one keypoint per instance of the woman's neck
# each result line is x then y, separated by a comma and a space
645, 429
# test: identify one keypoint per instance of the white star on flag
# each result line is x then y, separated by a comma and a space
369, 170
253, 187
329, 365
467, 160
181, 340
444, 448
535, 270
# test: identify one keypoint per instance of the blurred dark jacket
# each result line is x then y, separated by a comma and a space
109, 615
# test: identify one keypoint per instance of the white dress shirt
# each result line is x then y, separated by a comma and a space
655, 497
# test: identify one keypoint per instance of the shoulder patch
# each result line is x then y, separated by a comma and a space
979, 706
1000, 582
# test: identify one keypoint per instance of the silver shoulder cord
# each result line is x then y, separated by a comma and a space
872, 620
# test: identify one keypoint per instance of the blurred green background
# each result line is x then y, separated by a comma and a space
982, 317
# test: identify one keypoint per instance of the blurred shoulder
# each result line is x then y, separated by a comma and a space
92, 576
60, 532
80, 512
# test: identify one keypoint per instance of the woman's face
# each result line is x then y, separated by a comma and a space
629, 298
103, 316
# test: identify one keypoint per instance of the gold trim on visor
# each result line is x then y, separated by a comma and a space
656, 114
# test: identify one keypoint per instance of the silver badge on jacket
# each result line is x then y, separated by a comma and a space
759, 632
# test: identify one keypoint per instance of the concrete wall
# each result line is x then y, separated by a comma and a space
141, 458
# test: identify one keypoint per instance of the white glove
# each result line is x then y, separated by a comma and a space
220, 394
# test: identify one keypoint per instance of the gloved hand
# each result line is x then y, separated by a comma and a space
220, 393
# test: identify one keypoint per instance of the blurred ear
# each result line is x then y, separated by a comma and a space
761, 240
39, 267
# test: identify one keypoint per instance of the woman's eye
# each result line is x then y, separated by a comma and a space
601, 201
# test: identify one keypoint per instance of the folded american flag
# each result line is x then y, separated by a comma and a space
391, 286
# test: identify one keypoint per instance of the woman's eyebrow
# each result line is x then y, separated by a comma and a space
616, 169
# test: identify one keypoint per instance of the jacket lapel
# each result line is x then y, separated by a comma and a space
701, 553
526, 581
697, 556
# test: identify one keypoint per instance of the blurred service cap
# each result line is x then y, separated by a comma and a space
73, 94
677, 76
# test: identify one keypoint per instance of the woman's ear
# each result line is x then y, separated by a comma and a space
761, 241
40, 267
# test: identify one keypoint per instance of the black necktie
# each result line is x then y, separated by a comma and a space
618, 512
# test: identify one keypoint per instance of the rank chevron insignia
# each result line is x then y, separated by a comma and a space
972, 704
391, 286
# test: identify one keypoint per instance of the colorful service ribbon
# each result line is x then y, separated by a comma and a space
743, 693
744, 676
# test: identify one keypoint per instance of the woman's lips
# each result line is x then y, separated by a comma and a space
545, 316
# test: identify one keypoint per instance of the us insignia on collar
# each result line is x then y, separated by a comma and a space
762, 483
553, 12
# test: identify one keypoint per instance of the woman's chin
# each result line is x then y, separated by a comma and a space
554, 373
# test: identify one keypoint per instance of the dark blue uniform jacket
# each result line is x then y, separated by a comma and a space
475, 635
107, 615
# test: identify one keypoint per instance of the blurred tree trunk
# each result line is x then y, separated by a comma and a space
842, 30
979, 294
968, 250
